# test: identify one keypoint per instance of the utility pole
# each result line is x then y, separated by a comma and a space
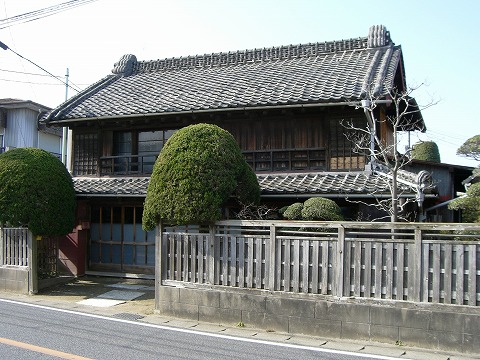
65, 129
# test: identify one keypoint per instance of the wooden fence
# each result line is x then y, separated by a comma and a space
18, 260
421, 262
14, 247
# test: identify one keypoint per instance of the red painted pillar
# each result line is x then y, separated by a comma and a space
73, 247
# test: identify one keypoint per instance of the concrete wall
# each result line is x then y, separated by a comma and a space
442, 327
14, 279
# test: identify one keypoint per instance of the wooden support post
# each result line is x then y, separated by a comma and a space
159, 263
32, 264
339, 264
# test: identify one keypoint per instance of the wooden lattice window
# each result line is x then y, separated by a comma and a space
343, 153
85, 154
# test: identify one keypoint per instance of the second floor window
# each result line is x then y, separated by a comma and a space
135, 152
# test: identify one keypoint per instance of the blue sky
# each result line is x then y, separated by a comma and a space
439, 41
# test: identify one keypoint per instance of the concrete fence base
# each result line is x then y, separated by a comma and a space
433, 326
14, 279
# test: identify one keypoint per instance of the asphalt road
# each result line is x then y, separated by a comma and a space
29, 331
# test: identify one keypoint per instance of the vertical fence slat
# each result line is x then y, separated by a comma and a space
357, 268
258, 264
447, 278
400, 271
426, 272
279, 278
233, 261
389, 270
270, 261
296, 266
472, 275
241, 262
315, 266
378, 269
347, 260
194, 258
305, 265
339, 264
436, 274
201, 259
224, 257
325, 253
460, 274
250, 263
368, 270
287, 266
416, 271
3, 238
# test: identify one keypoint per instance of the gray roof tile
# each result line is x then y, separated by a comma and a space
270, 184
296, 74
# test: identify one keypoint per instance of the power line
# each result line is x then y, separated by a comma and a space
23, 72
29, 82
39, 14
5, 47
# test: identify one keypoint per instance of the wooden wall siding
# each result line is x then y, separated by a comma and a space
414, 262
292, 141
85, 154
277, 133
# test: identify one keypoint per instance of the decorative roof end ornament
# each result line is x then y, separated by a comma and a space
378, 36
125, 65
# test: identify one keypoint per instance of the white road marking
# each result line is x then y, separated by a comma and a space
214, 335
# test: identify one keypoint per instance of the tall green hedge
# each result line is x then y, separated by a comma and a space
427, 151
198, 170
36, 190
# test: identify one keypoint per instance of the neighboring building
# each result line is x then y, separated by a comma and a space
449, 182
19, 127
284, 106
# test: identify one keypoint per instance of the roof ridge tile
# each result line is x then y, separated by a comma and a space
242, 57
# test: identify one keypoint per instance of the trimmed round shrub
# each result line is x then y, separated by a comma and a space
293, 212
321, 209
426, 151
199, 168
37, 191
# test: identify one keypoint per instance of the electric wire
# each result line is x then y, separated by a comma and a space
23, 72
39, 14
41, 68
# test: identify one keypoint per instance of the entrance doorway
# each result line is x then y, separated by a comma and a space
117, 241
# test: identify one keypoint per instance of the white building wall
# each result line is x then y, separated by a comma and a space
21, 128
51, 143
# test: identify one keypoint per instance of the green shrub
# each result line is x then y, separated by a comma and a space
321, 209
470, 204
293, 212
36, 190
427, 151
199, 168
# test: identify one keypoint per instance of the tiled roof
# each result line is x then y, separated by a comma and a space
270, 184
122, 186
337, 71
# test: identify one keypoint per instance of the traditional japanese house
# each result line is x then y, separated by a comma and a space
286, 106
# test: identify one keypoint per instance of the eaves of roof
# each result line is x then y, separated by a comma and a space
327, 184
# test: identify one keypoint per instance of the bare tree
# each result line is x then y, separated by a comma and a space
403, 114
